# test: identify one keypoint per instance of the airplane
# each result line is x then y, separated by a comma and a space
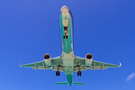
68, 62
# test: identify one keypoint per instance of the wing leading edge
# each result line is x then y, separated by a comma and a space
78, 61
41, 64
95, 64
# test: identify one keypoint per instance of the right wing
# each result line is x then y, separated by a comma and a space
95, 64
41, 64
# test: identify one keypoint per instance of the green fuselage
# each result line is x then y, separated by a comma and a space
67, 43
68, 59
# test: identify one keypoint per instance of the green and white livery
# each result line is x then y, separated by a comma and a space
68, 62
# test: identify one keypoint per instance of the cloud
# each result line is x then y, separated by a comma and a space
131, 76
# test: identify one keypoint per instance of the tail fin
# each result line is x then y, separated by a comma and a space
78, 83
62, 83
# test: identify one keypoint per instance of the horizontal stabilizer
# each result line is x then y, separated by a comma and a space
62, 83
78, 83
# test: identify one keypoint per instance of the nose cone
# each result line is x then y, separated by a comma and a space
64, 9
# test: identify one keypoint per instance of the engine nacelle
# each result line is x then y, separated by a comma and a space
88, 60
47, 60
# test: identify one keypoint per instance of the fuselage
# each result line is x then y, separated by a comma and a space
67, 49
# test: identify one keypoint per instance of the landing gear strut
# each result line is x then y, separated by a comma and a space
58, 72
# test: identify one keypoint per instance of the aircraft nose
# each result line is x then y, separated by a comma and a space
64, 9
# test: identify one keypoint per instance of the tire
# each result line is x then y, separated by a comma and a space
78, 73
56, 73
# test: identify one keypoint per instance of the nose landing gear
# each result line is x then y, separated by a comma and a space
65, 37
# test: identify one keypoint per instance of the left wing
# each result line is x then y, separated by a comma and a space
41, 64
95, 64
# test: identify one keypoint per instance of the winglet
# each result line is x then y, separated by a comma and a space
20, 65
120, 64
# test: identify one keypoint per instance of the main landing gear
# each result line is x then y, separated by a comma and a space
79, 73
57, 73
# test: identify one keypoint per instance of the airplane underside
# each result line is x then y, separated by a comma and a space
68, 62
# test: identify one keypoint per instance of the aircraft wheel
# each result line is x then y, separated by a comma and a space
56, 73
79, 73
64, 37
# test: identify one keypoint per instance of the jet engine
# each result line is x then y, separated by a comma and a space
88, 60
47, 60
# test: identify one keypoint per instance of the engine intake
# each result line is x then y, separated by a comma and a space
47, 60
88, 60
46, 56
89, 56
